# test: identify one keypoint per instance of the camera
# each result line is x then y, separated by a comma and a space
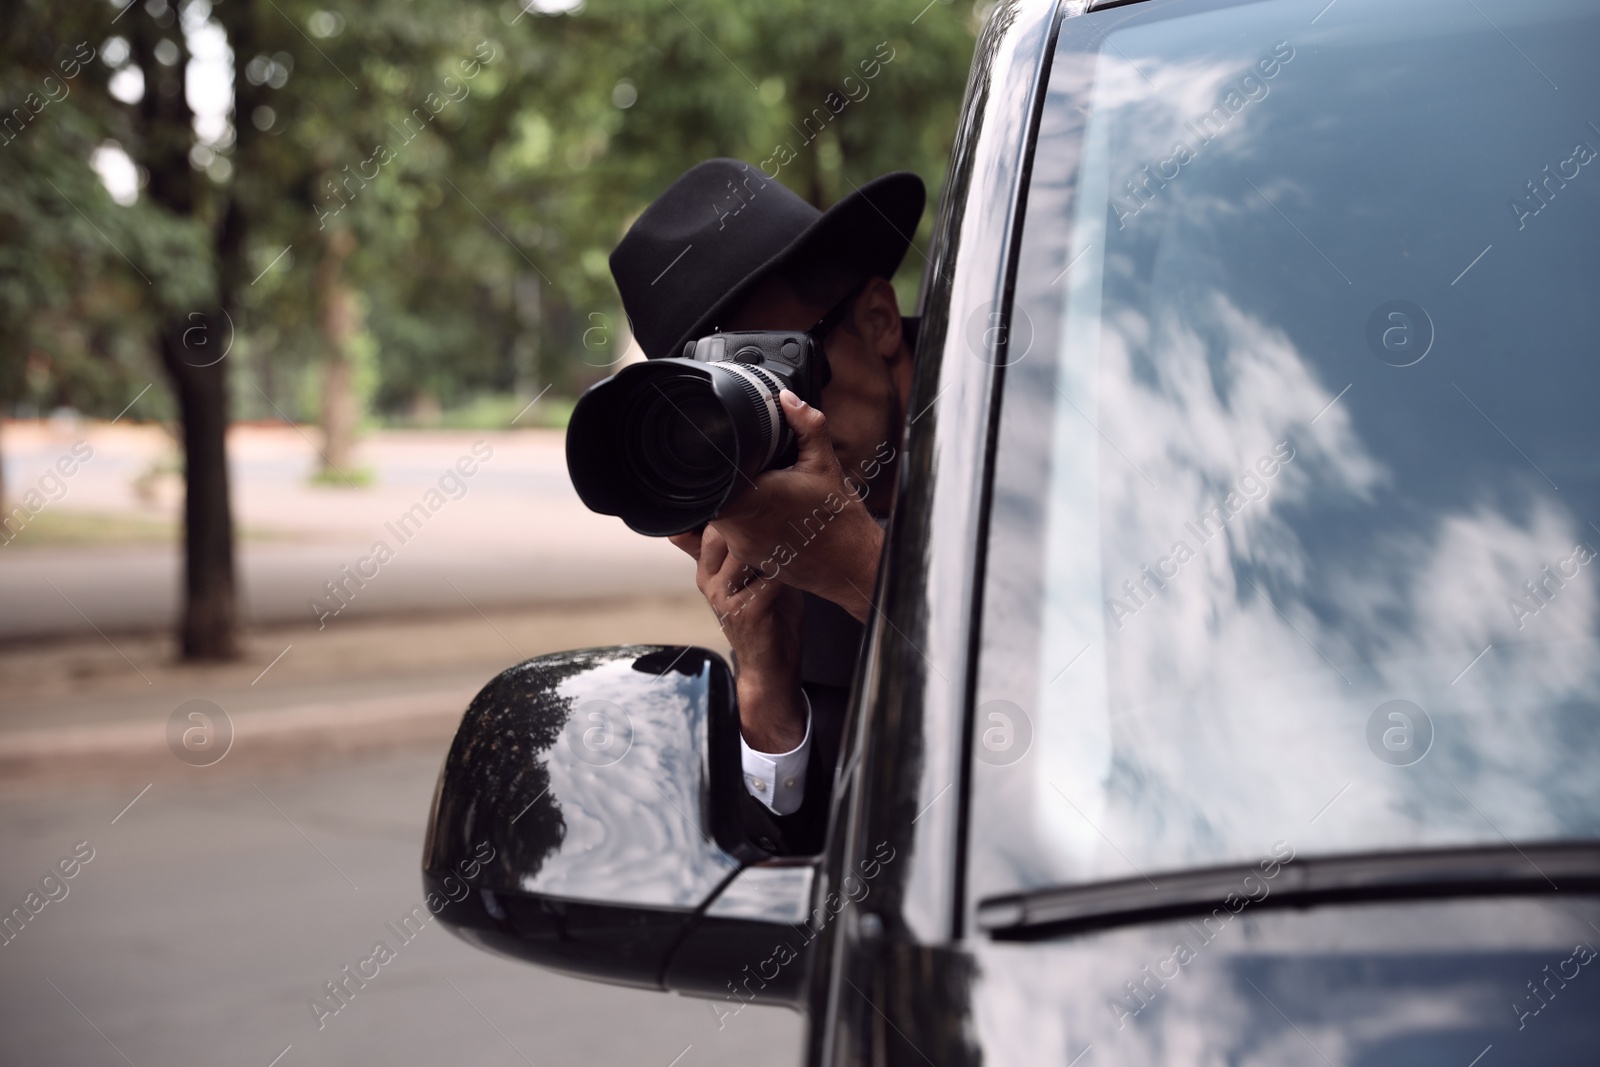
666, 443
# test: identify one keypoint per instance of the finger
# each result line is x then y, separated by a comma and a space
689, 542
748, 585
733, 572
810, 428
736, 578
713, 551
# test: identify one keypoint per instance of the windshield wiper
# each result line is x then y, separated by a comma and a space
1502, 870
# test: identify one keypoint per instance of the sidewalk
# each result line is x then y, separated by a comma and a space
91, 706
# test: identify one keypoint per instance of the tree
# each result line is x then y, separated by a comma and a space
438, 182
79, 274
187, 339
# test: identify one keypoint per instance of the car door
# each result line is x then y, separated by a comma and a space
1288, 693
1237, 700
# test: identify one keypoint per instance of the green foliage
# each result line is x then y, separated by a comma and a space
490, 411
82, 279
485, 161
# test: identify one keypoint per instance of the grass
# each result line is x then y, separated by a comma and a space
345, 478
53, 528
492, 412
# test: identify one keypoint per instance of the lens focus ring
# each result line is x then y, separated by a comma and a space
762, 388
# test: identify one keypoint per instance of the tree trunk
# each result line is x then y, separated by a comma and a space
525, 347
192, 344
339, 319
209, 628
6, 532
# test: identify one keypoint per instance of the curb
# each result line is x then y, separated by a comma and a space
306, 729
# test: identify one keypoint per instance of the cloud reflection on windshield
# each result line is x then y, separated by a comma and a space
1201, 686
1235, 698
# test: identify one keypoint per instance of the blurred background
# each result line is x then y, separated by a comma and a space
295, 298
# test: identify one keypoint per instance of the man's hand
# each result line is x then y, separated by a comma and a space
803, 525
761, 618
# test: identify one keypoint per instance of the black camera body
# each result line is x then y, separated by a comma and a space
666, 443
795, 356
793, 359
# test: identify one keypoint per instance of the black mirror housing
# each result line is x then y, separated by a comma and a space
589, 814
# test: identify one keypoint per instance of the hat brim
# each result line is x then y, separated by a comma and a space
873, 226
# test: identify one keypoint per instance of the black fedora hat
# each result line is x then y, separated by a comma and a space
724, 227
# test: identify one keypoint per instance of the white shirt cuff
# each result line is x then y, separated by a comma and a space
778, 780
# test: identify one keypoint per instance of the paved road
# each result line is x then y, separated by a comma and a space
512, 534
66, 592
218, 903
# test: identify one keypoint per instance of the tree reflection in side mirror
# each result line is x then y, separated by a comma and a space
589, 811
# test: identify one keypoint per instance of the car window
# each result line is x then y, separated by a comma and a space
1293, 534
1395, 985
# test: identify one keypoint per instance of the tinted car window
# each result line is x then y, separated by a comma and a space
1431, 985
1293, 530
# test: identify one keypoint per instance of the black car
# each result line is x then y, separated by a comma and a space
1234, 691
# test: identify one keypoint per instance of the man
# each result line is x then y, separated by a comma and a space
727, 248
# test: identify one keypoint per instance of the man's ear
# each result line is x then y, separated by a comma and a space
876, 318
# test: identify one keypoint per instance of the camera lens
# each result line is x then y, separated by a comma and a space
666, 443
680, 442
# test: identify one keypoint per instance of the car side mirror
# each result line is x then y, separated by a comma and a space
591, 818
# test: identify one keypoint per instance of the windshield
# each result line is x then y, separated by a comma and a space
1293, 539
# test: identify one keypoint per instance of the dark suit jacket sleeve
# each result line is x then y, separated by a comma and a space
832, 640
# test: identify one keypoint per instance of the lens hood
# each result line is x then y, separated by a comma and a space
666, 443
